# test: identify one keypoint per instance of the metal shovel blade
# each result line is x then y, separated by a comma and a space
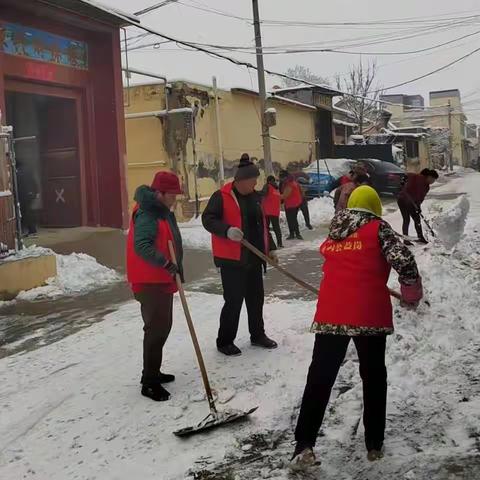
214, 420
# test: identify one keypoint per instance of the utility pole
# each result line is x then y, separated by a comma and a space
267, 151
450, 136
218, 123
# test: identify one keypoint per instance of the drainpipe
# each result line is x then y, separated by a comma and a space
194, 152
219, 133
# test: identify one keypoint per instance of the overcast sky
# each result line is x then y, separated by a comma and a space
185, 22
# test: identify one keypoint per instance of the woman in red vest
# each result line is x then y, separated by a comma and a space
354, 303
271, 207
292, 198
151, 273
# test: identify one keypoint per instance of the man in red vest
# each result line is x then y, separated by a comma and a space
151, 273
235, 212
354, 304
292, 198
271, 207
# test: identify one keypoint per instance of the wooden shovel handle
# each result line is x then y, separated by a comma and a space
193, 334
290, 275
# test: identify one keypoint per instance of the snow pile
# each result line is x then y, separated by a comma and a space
321, 210
449, 220
77, 274
194, 235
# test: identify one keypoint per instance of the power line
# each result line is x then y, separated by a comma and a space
458, 60
283, 75
154, 7
321, 50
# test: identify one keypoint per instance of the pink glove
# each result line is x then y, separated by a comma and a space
412, 294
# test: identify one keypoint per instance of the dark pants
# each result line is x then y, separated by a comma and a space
328, 354
156, 309
241, 283
275, 223
292, 220
305, 212
29, 216
410, 211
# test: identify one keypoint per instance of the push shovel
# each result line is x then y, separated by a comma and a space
215, 418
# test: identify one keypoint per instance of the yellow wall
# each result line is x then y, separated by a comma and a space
241, 133
25, 274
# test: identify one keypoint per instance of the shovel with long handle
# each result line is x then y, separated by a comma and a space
290, 275
422, 216
215, 418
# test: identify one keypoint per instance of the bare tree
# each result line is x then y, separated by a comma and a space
363, 94
303, 73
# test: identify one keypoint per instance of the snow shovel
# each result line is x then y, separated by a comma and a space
422, 216
290, 275
214, 418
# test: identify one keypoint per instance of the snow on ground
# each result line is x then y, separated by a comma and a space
73, 409
77, 274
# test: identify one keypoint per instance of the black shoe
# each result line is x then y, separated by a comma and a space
264, 342
309, 227
422, 240
156, 392
161, 378
230, 350
291, 237
299, 237
166, 378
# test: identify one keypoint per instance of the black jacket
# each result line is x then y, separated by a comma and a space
146, 230
252, 226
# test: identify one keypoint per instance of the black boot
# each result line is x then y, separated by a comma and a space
264, 342
291, 237
299, 237
161, 378
229, 350
156, 392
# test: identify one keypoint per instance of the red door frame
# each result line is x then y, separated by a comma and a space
80, 107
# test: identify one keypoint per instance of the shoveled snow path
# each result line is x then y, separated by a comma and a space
73, 409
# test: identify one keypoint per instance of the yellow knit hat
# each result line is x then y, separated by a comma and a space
365, 198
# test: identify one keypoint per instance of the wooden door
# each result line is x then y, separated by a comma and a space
62, 205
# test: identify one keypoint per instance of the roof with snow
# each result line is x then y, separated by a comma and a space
288, 101
324, 89
95, 10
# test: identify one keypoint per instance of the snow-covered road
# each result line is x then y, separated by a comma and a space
72, 409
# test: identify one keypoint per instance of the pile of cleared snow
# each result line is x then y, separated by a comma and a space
194, 235
321, 210
77, 274
449, 219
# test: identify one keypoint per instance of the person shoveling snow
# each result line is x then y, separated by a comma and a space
354, 303
411, 198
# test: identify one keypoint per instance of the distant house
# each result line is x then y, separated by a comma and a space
177, 128
444, 112
322, 99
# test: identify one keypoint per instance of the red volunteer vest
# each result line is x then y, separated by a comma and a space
271, 202
295, 198
140, 271
223, 247
354, 288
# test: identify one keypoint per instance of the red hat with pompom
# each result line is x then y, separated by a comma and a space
167, 182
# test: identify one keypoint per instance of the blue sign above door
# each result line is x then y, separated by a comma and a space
44, 46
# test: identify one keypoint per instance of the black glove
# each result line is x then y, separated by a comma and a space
171, 268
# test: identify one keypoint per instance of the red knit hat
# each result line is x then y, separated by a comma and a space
167, 182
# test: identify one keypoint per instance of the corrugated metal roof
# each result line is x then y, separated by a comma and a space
97, 11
